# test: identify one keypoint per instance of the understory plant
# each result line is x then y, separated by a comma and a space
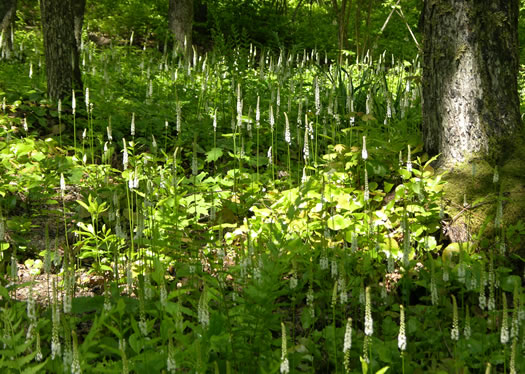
249, 213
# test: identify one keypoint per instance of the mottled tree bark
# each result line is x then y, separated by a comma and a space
60, 47
7, 16
79, 7
181, 23
470, 68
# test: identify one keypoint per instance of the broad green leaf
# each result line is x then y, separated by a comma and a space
76, 175
453, 250
508, 283
214, 154
415, 187
346, 203
429, 243
134, 342
405, 173
338, 222
38, 156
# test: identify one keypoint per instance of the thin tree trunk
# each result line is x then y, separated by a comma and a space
296, 10
337, 15
181, 23
341, 13
470, 68
365, 46
347, 24
358, 30
7, 16
60, 46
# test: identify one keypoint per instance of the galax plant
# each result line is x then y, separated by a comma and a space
247, 213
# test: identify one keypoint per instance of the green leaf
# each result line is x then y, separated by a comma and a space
83, 205
214, 154
4, 293
76, 176
134, 342
405, 173
510, 282
364, 365
452, 251
223, 226
416, 187
429, 243
388, 187
338, 222
383, 370
35, 369
85, 304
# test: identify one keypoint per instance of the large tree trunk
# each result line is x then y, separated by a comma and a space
79, 7
7, 16
470, 67
181, 23
60, 47
471, 115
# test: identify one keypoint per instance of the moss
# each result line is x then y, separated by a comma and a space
482, 193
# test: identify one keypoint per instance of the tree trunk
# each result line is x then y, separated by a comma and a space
342, 15
181, 23
470, 68
357, 26
7, 16
79, 7
60, 47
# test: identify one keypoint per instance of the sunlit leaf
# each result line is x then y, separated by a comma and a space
214, 154
338, 222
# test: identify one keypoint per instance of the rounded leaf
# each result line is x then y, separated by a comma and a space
338, 222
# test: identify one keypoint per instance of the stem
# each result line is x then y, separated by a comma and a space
316, 133
91, 136
289, 168
370, 351
66, 252
60, 127
505, 359
455, 356
75, 134
272, 160
335, 340
130, 217
257, 154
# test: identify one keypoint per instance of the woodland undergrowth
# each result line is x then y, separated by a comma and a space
246, 212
